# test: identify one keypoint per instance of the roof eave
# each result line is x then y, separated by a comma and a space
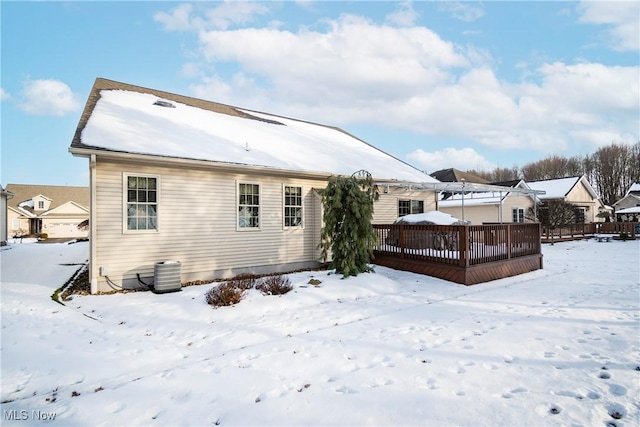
85, 151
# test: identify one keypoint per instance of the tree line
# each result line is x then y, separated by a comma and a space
610, 170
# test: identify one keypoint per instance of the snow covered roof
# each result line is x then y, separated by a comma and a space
57, 194
634, 189
492, 197
560, 188
123, 118
634, 210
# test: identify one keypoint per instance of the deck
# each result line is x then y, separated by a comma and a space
466, 254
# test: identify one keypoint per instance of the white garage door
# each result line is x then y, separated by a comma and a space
64, 230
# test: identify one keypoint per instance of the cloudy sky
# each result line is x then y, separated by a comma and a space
471, 85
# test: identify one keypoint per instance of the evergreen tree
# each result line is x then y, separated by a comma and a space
347, 230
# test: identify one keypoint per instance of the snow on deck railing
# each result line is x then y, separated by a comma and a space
462, 245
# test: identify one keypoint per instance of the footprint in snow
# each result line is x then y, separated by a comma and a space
604, 375
345, 390
616, 411
617, 390
115, 407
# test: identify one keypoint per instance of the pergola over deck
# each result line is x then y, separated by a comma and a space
463, 188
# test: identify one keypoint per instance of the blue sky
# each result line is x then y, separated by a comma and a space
471, 85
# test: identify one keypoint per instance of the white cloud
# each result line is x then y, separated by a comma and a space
4, 94
223, 16
234, 13
462, 11
179, 19
404, 16
354, 71
352, 58
463, 159
622, 18
48, 97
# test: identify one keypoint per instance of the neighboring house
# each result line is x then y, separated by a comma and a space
4, 195
47, 209
222, 190
575, 190
628, 208
455, 175
491, 206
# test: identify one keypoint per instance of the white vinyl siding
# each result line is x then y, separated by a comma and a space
198, 223
141, 199
292, 202
385, 210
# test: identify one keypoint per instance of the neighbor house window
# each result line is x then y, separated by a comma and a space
248, 206
40, 204
292, 206
518, 215
406, 207
142, 202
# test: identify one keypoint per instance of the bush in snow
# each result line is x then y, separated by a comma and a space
224, 294
274, 285
244, 281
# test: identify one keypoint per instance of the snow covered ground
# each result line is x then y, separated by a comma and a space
558, 346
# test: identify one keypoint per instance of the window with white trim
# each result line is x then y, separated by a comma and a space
40, 204
292, 206
517, 214
141, 208
248, 206
406, 207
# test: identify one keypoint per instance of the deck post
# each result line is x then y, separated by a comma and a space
508, 241
401, 241
463, 235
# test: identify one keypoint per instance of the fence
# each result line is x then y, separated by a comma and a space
579, 231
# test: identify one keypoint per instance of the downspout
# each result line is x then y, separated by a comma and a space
92, 225
500, 206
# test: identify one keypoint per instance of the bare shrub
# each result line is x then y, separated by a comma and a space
244, 281
224, 294
274, 285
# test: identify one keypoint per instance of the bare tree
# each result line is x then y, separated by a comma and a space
611, 166
554, 214
553, 167
498, 174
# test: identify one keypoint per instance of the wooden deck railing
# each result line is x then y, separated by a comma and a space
459, 245
587, 230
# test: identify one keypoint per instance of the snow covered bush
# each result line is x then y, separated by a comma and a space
244, 281
224, 294
274, 285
